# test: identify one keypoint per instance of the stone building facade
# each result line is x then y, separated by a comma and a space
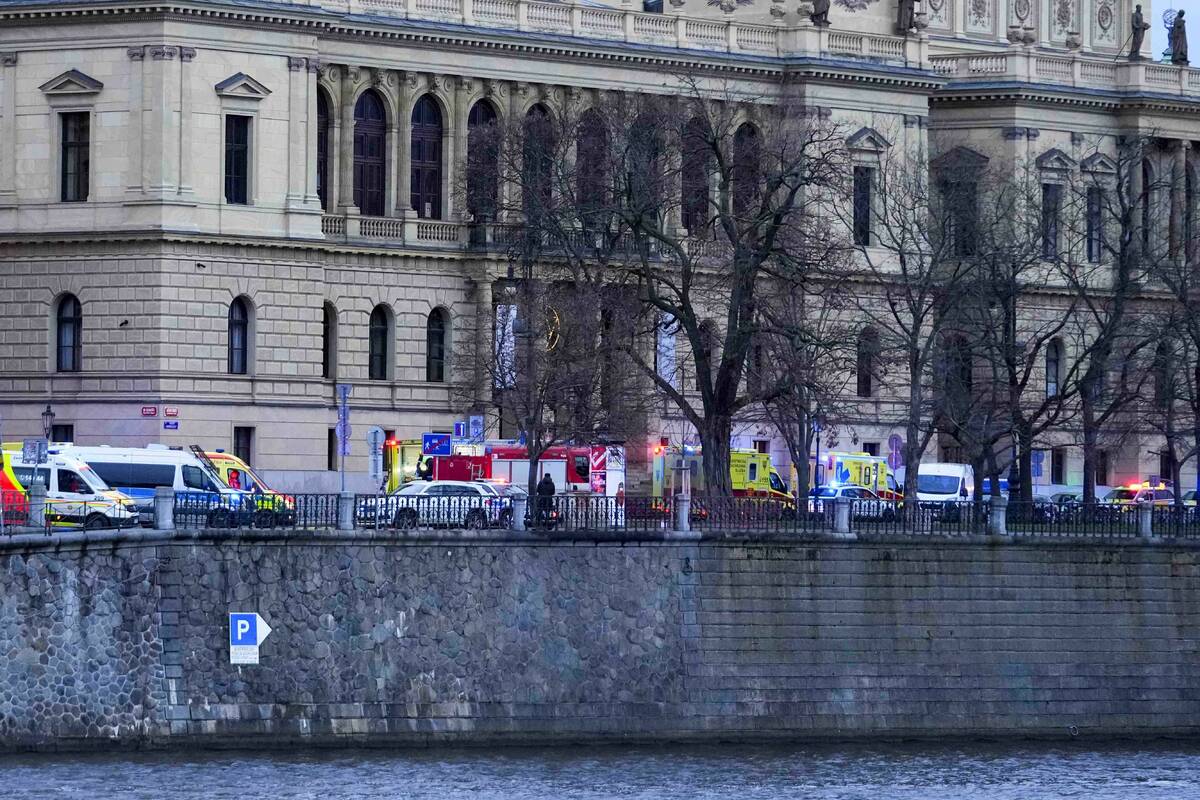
201, 214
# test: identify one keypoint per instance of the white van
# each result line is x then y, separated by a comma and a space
945, 483
138, 471
75, 494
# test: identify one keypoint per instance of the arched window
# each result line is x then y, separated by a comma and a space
323, 148
591, 168
537, 159
239, 337
867, 363
426, 159
328, 341
643, 168
435, 346
482, 161
68, 335
696, 168
746, 172
370, 161
379, 343
1053, 367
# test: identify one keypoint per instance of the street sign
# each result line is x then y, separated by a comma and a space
436, 444
460, 430
149, 411
1036, 458
247, 630
476, 427
170, 411
170, 424
33, 451
375, 439
343, 424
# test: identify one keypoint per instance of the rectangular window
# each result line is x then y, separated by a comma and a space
961, 201
62, 433
76, 155
1095, 224
1058, 465
243, 444
1165, 471
863, 179
762, 446
871, 448
237, 159
1101, 467
1051, 209
331, 450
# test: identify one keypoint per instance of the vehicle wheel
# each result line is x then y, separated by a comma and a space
476, 520
406, 519
264, 518
219, 518
506, 518
95, 522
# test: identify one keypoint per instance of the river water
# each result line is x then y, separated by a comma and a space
849, 772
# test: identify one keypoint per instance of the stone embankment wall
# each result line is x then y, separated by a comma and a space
387, 641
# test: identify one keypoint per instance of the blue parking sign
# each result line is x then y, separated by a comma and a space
243, 630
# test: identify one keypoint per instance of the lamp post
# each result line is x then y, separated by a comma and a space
48, 421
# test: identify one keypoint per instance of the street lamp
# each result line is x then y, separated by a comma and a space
48, 421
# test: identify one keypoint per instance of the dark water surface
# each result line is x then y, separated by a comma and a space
847, 772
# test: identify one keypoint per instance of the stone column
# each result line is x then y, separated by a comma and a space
389, 149
1145, 512
184, 155
8, 128
1135, 197
345, 165
998, 518
407, 94
1179, 245
311, 198
300, 128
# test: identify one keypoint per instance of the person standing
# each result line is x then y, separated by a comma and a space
545, 499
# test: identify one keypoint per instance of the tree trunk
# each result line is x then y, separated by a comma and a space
1025, 461
1089, 452
714, 442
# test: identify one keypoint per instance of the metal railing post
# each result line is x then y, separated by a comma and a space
164, 508
1145, 512
519, 506
841, 515
37, 505
998, 518
345, 511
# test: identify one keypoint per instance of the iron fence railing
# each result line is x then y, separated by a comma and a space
767, 514
14, 510
1067, 520
263, 511
1178, 522
411, 512
919, 519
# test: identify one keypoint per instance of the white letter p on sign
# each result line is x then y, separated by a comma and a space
243, 627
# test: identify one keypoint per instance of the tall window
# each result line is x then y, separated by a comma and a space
1053, 367
537, 157
1051, 209
1095, 224
328, 341
435, 346
642, 169
370, 124
483, 152
76, 155
237, 159
868, 355
746, 175
1147, 202
331, 450
695, 170
426, 159
239, 337
960, 199
863, 180
591, 173
1058, 465
68, 334
243, 444
379, 343
323, 149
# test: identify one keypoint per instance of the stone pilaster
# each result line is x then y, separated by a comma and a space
8, 128
345, 162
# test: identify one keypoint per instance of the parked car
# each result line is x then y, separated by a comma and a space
865, 504
452, 504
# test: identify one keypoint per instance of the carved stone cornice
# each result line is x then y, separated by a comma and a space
296, 63
187, 54
136, 53
8, 59
163, 52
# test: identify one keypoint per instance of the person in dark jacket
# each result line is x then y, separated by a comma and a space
545, 499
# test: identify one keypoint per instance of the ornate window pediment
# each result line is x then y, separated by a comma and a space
1055, 159
242, 85
868, 139
1099, 162
71, 82
960, 158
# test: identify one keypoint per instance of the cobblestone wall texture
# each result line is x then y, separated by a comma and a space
382, 641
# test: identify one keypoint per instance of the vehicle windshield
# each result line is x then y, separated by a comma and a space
1118, 495
93, 478
246, 479
938, 484
416, 487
